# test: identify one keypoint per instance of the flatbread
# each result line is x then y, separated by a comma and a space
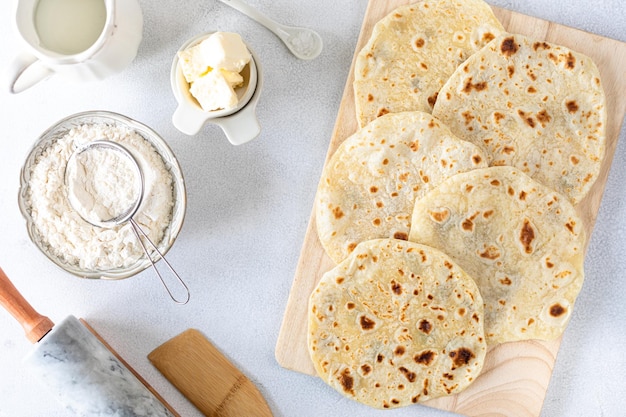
533, 105
414, 50
396, 323
369, 185
522, 242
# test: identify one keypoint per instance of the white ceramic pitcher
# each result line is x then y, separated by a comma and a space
112, 49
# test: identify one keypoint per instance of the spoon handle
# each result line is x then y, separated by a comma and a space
255, 15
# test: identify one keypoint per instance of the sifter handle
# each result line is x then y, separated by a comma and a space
34, 324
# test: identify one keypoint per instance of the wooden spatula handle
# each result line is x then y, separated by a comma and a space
34, 324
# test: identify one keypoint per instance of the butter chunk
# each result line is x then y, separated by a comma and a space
215, 90
225, 50
234, 78
193, 63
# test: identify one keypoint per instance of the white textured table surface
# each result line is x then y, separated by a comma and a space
248, 209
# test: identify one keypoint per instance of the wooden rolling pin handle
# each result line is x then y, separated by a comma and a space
34, 324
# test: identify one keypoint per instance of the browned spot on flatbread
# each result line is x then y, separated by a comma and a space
510, 70
461, 357
401, 236
410, 376
570, 61
425, 358
508, 150
399, 351
419, 42
370, 98
526, 118
432, 99
527, 235
440, 215
572, 106
467, 117
366, 369
508, 47
396, 288
543, 117
468, 225
490, 252
382, 112
337, 212
469, 86
557, 310
366, 323
425, 326
346, 381
541, 45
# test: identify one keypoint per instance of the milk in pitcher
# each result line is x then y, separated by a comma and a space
69, 26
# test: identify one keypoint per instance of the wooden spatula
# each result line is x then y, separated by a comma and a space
209, 380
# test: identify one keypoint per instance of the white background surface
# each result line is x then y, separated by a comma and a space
248, 209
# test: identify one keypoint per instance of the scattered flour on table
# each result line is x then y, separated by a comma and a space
69, 236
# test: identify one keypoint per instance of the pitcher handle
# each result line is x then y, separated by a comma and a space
25, 71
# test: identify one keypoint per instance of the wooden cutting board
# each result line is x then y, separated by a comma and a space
516, 375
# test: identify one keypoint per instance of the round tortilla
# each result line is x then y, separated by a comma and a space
369, 185
395, 324
413, 51
533, 105
522, 242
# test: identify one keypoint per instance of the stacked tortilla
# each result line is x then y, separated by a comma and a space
484, 189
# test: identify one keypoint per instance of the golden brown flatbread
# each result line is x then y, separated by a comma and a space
396, 323
522, 242
371, 182
533, 105
414, 50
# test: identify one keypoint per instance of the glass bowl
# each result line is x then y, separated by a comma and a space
57, 132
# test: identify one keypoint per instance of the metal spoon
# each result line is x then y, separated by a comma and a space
303, 43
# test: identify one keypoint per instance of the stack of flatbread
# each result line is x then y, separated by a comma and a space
456, 230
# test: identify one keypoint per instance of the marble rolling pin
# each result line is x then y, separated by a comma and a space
78, 368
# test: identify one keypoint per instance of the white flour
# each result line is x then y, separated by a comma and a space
61, 227
102, 184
